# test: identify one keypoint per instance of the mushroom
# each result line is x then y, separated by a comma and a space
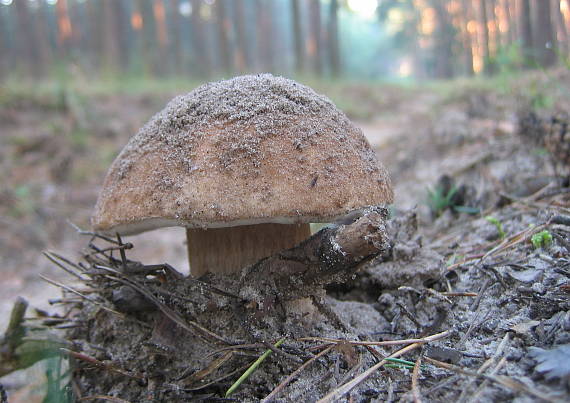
244, 165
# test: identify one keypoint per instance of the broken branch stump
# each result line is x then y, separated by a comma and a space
333, 254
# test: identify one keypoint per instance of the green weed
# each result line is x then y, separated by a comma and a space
402, 364
438, 200
58, 381
541, 239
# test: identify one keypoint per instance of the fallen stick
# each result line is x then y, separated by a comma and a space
333, 254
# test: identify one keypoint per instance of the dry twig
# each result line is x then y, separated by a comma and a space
54, 259
100, 364
367, 343
104, 397
73, 291
286, 381
481, 388
415, 383
347, 387
486, 364
500, 379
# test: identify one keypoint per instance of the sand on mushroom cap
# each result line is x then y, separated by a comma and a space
253, 149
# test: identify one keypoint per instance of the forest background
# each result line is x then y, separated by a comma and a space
207, 39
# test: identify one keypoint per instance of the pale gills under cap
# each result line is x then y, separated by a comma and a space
253, 149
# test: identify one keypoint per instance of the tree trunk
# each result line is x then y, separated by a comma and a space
334, 50
201, 54
241, 59
223, 25
64, 29
297, 36
124, 28
163, 64
526, 31
176, 51
443, 42
563, 44
511, 32
94, 37
315, 41
5, 44
493, 26
464, 17
544, 35
264, 36
148, 32
487, 64
135, 40
27, 47
111, 37
41, 33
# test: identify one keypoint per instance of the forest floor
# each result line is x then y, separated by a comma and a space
465, 263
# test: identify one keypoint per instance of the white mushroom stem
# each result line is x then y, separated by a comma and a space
228, 250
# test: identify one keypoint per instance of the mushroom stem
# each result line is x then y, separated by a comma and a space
228, 250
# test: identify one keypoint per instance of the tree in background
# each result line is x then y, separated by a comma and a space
164, 59
465, 16
176, 48
28, 49
297, 31
486, 45
561, 28
111, 32
332, 39
444, 37
265, 34
314, 42
223, 25
526, 30
201, 55
544, 34
243, 58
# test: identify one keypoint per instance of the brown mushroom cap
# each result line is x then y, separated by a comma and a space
253, 149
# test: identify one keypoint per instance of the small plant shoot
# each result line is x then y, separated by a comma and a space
541, 239
438, 200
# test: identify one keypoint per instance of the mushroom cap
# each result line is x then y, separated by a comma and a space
252, 149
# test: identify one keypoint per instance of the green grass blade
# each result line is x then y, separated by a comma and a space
252, 368
400, 361
467, 209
